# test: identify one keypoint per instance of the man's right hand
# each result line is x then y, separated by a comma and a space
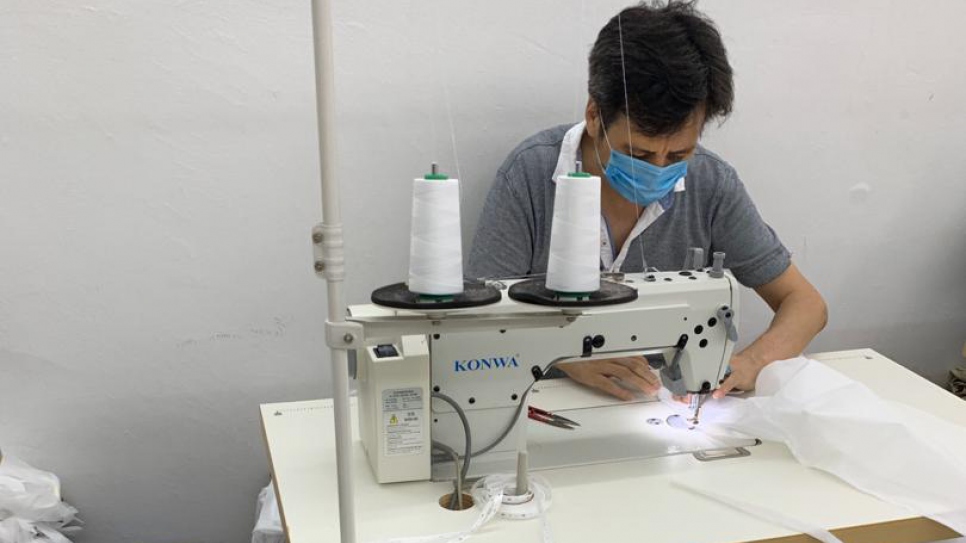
633, 373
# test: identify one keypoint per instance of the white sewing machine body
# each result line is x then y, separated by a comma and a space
684, 316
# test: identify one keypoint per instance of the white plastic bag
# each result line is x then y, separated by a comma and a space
268, 522
897, 453
30, 505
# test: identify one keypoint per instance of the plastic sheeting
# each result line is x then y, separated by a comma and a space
30, 506
830, 422
957, 381
268, 521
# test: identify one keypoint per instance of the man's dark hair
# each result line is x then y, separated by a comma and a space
673, 62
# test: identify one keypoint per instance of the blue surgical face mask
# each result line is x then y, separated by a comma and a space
638, 180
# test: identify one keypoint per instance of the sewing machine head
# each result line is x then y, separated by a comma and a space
486, 359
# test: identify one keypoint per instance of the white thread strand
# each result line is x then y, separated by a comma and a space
435, 254
446, 98
574, 263
580, 77
493, 496
534, 504
630, 141
489, 511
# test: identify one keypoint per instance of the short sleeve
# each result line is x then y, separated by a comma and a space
752, 249
503, 244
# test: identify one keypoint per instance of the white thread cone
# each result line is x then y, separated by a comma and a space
435, 250
574, 264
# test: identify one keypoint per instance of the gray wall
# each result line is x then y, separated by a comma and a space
158, 182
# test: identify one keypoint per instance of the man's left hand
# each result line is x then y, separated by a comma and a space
744, 373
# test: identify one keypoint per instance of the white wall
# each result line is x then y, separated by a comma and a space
158, 183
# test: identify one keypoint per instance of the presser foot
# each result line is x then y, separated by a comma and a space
695, 401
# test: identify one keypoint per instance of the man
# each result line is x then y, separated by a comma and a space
658, 75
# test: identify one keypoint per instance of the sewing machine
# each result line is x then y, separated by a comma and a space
486, 359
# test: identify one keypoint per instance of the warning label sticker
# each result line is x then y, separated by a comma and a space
402, 413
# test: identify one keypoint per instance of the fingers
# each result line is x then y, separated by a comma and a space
640, 367
727, 386
634, 373
603, 383
630, 377
590, 374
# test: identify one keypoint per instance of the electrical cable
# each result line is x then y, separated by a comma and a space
516, 413
466, 431
458, 483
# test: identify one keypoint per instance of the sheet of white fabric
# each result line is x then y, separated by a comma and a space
830, 422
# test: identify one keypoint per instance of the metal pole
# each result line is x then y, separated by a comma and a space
332, 264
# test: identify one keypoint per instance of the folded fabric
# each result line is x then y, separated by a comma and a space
897, 453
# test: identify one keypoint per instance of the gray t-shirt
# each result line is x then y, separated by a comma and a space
713, 212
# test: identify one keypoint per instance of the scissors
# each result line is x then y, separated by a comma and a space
546, 417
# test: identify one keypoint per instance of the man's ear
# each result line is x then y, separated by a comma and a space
592, 117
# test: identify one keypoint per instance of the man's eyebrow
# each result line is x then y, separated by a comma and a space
642, 151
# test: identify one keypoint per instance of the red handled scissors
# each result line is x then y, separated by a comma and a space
552, 419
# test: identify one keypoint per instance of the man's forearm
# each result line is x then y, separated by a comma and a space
798, 319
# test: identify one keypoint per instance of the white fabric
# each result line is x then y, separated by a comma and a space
268, 521
569, 148
30, 506
889, 450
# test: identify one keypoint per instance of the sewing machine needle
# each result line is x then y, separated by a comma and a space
696, 401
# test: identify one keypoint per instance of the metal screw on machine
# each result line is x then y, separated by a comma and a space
319, 266
347, 338
717, 265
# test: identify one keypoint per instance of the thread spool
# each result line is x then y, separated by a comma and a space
574, 263
435, 250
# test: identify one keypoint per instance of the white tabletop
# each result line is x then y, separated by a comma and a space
627, 501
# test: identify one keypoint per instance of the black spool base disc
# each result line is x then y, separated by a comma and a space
534, 291
399, 296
